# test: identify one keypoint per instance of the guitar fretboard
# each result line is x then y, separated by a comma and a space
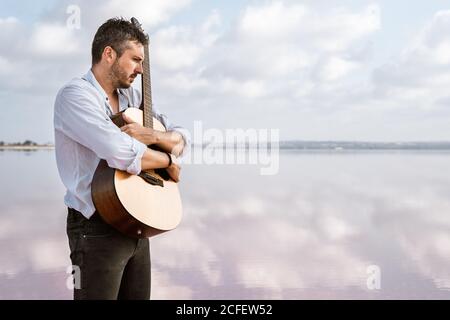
147, 89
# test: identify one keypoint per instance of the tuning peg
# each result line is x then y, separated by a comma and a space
136, 22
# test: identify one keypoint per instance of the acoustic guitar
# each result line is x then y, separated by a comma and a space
143, 205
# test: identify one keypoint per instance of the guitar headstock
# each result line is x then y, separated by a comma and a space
137, 24
146, 102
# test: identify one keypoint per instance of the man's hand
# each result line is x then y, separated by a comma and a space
145, 135
174, 172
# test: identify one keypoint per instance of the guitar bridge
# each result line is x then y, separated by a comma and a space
151, 179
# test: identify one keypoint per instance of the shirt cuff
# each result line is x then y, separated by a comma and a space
139, 149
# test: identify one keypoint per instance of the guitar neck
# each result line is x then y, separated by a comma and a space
147, 89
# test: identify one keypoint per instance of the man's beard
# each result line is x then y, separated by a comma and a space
119, 77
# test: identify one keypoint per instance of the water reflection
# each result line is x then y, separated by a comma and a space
309, 232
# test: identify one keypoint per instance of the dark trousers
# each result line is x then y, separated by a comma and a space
107, 264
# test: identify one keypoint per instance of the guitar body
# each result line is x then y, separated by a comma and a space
131, 204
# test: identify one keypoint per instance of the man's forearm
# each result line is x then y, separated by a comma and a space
154, 160
169, 141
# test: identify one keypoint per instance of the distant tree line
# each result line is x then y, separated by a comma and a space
26, 143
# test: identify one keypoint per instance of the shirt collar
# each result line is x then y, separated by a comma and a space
92, 80
123, 101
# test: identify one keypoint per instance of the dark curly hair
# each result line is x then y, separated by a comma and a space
115, 33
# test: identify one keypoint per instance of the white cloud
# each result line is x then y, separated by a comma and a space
10, 28
306, 65
178, 47
252, 88
420, 76
269, 22
272, 49
184, 84
432, 44
283, 39
54, 40
340, 28
334, 30
334, 68
49, 46
174, 48
5, 66
149, 13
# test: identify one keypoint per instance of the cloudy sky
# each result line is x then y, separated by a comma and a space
316, 70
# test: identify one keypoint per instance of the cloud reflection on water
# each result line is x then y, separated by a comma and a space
309, 232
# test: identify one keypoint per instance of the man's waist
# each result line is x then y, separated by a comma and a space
95, 216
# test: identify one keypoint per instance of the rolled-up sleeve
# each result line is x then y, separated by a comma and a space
138, 148
82, 118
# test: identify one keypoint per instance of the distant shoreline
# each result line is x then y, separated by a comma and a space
46, 147
290, 145
332, 145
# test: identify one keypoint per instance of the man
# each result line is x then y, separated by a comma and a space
108, 264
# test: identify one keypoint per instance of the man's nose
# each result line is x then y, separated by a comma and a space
140, 69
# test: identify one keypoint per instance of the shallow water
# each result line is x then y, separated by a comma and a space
315, 230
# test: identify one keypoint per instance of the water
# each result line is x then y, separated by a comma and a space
315, 230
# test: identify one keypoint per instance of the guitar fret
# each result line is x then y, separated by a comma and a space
147, 89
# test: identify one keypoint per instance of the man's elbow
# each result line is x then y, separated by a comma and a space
116, 160
117, 164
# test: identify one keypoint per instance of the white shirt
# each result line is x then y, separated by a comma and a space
84, 134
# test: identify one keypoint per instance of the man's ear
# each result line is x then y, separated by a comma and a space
109, 54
